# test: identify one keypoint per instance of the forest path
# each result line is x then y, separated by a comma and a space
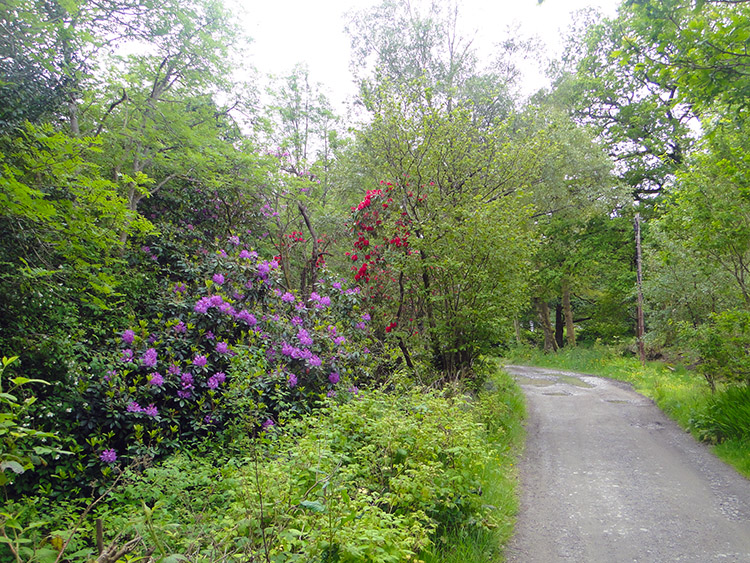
606, 477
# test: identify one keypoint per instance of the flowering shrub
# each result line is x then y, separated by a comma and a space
232, 344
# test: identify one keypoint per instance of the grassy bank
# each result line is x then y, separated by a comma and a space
500, 407
722, 419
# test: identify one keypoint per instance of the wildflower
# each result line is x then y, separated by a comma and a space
199, 360
149, 358
155, 379
334, 378
108, 456
222, 347
133, 407
292, 380
288, 298
128, 336
218, 279
151, 410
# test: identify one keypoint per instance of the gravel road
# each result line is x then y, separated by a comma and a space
606, 477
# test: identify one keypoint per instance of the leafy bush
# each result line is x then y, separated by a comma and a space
229, 345
722, 345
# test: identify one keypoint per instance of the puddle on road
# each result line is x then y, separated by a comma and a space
521, 380
539, 382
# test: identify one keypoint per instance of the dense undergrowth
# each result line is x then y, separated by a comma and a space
721, 418
397, 476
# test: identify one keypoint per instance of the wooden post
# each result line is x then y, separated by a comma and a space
640, 324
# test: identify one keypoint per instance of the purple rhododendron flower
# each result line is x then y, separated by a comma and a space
180, 327
133, 407
300, 306
268, 423
150, 358
332, 329
227, 309
215, 300
128, 336
331, 393
334, 378
296, 321
248, 317
314, 296
235, 240
155, 379
220, 376
354, 390
199, 360
286, 349
366, 317
212, 382
180, 288
187, 380
110, 374
288, 298
336, 285
183, 394
210, 335
292, 380
174, 369
361, 326
218, 279
127, 356
222, 347
151, 410
108, 456
304, 337
339, 340
314, 361
202, 305
325, 301
263, 270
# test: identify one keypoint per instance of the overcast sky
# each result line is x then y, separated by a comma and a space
312, 32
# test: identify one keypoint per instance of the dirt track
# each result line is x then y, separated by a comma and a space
606, 477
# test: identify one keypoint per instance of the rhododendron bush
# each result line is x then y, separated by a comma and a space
233, 347
443, 282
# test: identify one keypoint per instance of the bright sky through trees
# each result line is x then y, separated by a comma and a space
313, 32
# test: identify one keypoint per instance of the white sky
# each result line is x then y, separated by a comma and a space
312, 32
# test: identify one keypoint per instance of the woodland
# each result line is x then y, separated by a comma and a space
237, 325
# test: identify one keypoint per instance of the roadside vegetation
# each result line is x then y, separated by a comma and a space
720, 418
238, 326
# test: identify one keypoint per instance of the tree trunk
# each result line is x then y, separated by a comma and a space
570, 330
549, 334
517, 328
640, 324
559, 335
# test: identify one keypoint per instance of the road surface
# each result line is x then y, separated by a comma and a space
607, 478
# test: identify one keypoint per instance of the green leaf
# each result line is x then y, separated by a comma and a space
12, 465
313, 505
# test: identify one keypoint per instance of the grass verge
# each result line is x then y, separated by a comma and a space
500, 407
683, 395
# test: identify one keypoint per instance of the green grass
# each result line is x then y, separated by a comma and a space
683, 395
501, 408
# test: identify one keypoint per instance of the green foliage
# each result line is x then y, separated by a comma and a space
722, 345
376, 478
21, 447
726, 416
